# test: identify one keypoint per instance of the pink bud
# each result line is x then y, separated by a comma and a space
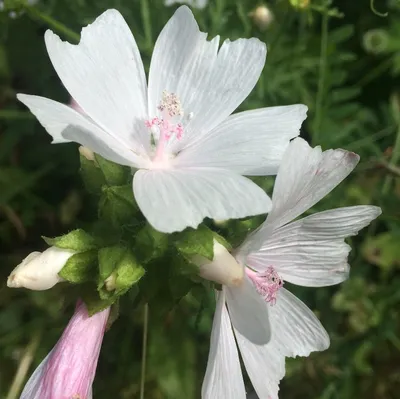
68, 370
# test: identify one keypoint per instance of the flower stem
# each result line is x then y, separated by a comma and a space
322, 77
144, 349
53, 23
23, 367
15, 114
146, 23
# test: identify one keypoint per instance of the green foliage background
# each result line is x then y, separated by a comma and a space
343, 61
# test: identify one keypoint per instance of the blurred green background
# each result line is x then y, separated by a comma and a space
340, 58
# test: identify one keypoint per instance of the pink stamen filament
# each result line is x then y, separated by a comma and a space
267, 283
169, 107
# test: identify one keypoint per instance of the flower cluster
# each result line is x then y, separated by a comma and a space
190, 159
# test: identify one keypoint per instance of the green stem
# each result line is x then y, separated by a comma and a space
23, 366
393, 161
14, 114
52, 23
145, 11
144, 349
375, 73
322, 78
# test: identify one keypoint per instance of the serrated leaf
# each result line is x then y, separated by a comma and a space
77, 240
192, 242
80, 267
150, 244
117, 205
114, 174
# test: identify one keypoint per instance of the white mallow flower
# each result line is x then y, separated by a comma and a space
190, 152
39, 270
310, 252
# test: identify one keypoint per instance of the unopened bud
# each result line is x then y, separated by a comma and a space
262, 17
87, 153
110, 282
223, 269
39, 270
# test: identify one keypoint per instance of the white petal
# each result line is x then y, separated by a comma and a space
183, 198
223, 379
32, 388
210, 86
311, 251
305, 176
295, 332
295, 326
249, 143
105, 76
65, 124
265, 365
249, 312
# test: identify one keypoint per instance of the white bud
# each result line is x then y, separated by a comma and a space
223, 269
262, 17
39, 270
110, 282
87, 153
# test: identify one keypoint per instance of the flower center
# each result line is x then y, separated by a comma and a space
267, 283
167, 125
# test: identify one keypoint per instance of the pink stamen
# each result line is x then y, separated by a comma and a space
267, 283
170, 108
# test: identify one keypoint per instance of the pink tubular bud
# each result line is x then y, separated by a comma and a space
68, 370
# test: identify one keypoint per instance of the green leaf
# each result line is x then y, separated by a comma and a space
80, 267
182, 276
192, 242
117, 205
150, 244
92, 175
114, 174
77, 240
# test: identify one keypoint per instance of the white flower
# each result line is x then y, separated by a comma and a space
309, 252
190, 153
39, 270
193, 3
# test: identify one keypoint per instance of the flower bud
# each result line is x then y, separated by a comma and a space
223, 269
262, 17
87, 153
68, 370
39, 270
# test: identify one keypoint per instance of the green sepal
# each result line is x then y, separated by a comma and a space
80, 268
119, 264
114, 174
222, 241
92, 176
117, 205
192, 242
76, 240
93, 303
150, 244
